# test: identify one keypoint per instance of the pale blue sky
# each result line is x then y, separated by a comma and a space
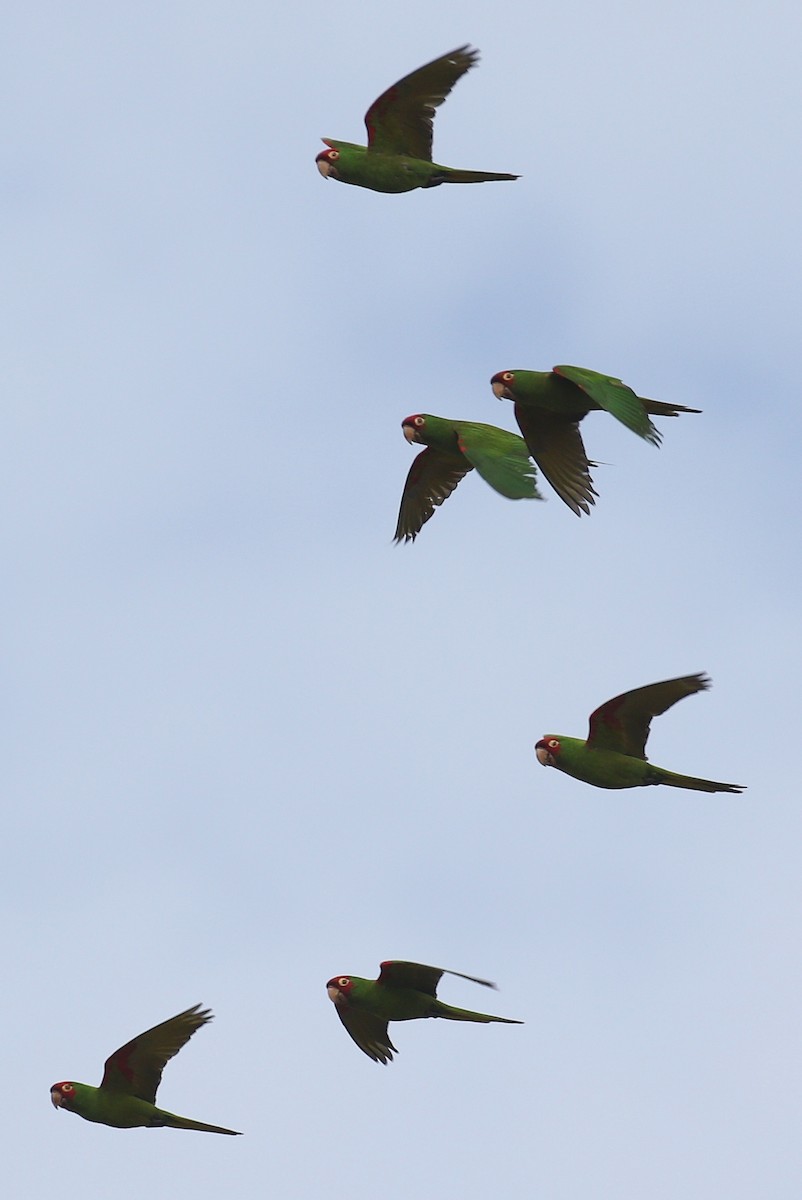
251, 744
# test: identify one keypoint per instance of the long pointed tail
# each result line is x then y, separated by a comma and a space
175, 1122
452, 175
464, 1014
658, 409
696, 785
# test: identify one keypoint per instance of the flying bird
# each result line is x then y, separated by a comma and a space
614, 754
126, 1097
548, 408
398, 156
404, 991
453, 448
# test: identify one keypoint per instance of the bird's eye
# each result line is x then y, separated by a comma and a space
419, 421
508, 375
553, 743
67, 1087
333, 155
344, 981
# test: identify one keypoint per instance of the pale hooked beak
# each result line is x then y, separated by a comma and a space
500, 392
544, 757
411, 434
55, 1098
334, 994
324, 167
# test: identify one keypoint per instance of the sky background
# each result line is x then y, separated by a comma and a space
249, 743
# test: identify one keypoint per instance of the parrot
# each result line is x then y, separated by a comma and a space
126, 1097
404, 991
453, 448
613, 755
548, 408
398, 156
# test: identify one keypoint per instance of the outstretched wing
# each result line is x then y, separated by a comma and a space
615, 398
369, 1032
432, 478
396, 973
136, 1068
400, 121
556, 446
500, 457
622, 723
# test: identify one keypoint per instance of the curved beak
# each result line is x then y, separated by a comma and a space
324, 167
55, 1098
411, 434
500, 391
544, 757
334, 994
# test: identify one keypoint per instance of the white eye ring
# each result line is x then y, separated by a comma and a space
67, 1087
508, 375
333, 154
553, 743
344, 981
419, 421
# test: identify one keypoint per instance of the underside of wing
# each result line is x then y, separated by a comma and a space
400, 121
501, 458
615, 398
622, 723
397, 973
136, 1068
432, 478
556, 446
369, 1032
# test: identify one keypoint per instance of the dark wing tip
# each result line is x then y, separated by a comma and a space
700, 682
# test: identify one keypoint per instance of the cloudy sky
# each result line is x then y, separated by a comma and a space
250, 743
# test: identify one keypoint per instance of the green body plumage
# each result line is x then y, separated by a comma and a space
609, 769
363, 167
614, 754
127, 1093
404, 991
453, 448
548, 408
127, 1112
398, 156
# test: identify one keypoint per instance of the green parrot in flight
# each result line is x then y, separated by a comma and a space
126, 1097
613, 756
404, 991
398, 156
453, 448
548, 408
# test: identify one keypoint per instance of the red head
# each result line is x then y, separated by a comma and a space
547, 751
502, 384
326, 162
62, 1094
413, 427
339, 989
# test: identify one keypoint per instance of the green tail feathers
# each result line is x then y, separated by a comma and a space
657, 408
454, 175
464, 1014
174, 1122
696, 785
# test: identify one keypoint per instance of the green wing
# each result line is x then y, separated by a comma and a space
396, 973
556, 446
614, 397
400, 121
622, 723
432, 478
500, 457
369, 1032
136, 1068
